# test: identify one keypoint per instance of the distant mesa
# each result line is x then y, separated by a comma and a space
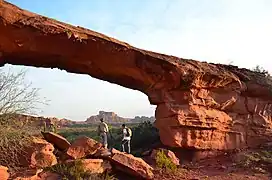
113, 118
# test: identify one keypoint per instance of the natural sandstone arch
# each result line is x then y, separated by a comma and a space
199, 105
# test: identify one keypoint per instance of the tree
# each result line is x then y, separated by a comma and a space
16, 95
259, 69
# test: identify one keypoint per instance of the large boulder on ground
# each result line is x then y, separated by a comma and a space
4, 175
169, 154
58, 141
102, 153
82, 147
39, 154
30, 174
131, 165
46, 175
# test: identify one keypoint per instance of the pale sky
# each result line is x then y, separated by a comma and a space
219, 31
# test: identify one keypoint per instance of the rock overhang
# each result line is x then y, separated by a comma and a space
198, 104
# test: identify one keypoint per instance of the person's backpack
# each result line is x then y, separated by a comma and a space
129, 132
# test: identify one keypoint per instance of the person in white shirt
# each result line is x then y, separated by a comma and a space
103, 132
127, 133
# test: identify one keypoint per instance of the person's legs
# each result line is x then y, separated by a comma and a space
128, 144
101, 139
105, 142
123, 145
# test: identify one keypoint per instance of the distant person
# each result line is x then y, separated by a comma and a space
127, 133
103, 132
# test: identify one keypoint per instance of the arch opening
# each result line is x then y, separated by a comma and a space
198, 104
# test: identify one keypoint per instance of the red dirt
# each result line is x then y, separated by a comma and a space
212, 169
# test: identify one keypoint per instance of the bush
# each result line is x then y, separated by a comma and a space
16, 94
163, 162
13, 145
261, 70
258, 161
144, 136
73, 133
76, 172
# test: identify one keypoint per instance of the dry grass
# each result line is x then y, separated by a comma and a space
14, 143
77, 172
259, 161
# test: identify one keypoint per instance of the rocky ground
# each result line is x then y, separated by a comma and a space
247, 164
53, 157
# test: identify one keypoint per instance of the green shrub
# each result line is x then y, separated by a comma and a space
144, 136
257, 161
76, 172
163, 162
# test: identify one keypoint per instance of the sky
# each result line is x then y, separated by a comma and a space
234, 32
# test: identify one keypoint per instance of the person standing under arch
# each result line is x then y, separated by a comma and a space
127, 133
103, 130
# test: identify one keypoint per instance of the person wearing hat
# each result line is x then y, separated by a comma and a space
103, 132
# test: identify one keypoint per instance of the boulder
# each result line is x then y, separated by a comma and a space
169, 154
58, 141
49, 176
43, 159
82, 147
30, 174
4, 175
39, 154
129, 164
102, 153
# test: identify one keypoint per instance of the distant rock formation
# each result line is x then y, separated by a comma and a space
39, 121
113, 118
109, 117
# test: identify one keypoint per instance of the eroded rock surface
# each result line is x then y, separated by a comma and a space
41, 154
58, 141
131, 165
4, 175
82, 147
199, 105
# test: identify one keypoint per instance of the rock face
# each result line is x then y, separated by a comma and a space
199, 105
48, 176
27, 175
82, 147
113, 118
38, 153
109, 117
4, 175
39, 121
58, 141
41, 154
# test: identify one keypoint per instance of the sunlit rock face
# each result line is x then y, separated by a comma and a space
199, 105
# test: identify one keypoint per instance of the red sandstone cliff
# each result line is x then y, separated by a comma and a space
199, 105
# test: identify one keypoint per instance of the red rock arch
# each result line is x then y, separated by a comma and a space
199, 105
